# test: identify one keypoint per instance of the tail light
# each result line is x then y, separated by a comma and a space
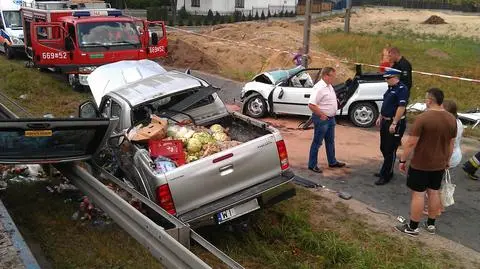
164, 198
282, 153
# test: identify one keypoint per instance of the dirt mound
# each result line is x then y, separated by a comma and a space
242, 50
434, 19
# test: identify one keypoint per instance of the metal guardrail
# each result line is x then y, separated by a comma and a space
169, 247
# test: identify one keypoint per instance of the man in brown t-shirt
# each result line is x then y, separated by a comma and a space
431, 138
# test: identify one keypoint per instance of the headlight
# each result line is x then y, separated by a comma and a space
86, 69
17, 41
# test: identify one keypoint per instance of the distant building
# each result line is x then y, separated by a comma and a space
201, 7
318, 6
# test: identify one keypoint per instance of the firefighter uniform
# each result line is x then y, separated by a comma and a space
472, 165
396, 96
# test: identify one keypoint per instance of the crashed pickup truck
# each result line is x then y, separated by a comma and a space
212, 189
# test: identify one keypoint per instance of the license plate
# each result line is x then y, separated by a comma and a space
237, 211
38, 133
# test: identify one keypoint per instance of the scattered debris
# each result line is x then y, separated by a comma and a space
23, 97
20, 173
434, 19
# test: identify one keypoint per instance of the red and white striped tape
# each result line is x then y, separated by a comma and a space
327, 57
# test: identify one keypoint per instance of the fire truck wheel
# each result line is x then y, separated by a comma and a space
9, 53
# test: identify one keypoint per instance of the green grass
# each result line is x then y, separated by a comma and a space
45, 92
455, 56
286, 236
45, 218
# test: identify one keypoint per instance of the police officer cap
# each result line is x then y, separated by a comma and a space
390, 72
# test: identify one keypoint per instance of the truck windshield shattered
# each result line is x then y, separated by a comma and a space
107, 34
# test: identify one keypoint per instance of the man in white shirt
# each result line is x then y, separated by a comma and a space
323, 104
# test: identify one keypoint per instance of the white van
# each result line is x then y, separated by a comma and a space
11, 30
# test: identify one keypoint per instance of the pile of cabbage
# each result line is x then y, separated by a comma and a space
200, 142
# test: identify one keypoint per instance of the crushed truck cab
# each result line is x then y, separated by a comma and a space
250, 172
77, 38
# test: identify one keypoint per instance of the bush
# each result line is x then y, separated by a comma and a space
181, 23
269, 14
250, 17
170, 22
275, 14
262, 17
280, 14
217, 16
183, 14
210, 15
221, 20
190, 22
244, 18
256, 16
237, 15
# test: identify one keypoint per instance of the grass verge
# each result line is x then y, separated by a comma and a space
444, 55
287, 235
43, 93
307, 232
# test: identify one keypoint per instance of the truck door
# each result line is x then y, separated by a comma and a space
49, 44
52, 140
157, 39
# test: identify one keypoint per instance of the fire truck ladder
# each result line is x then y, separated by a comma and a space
169, 246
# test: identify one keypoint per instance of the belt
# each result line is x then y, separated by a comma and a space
388, 118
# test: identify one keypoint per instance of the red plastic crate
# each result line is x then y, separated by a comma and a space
172, 149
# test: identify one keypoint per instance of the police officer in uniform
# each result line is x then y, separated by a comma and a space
392, 123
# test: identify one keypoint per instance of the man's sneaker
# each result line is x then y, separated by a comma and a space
430, 228
470, 174
405, 228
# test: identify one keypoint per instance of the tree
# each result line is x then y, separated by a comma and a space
183, 14
217, 16
281, 14
173, 6
250, 17
244, 18
262, 17
256, 16
210, 15
269, 14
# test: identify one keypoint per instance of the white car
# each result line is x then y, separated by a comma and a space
288, 91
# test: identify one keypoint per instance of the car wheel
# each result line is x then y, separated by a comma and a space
255, 106
9, 53
363, 114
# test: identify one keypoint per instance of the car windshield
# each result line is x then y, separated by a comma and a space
107, 34
280, 75
12, 19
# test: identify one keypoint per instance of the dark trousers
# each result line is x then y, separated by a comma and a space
388, 145
473, 164
323, 130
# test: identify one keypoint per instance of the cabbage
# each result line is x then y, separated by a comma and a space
191, 158
217, 128
221, 137
204, 137
172, 131
194, 145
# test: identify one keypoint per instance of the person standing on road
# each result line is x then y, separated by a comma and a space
402, 64
392, 123
323, 104
431, 139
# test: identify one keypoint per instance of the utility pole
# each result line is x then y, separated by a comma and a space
306, 32
348, 9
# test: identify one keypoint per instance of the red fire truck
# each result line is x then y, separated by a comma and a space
75, 38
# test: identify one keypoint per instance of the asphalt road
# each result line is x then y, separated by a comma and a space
460, 222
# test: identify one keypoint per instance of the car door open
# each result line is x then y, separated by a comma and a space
52, 140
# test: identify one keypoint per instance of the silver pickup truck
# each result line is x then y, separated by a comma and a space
211, 190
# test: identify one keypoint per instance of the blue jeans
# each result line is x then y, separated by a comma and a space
323, 129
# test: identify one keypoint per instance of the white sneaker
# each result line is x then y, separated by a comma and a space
430, 228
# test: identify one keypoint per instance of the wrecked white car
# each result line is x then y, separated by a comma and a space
288, 92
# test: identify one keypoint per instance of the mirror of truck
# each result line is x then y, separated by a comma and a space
154, 39
88, 110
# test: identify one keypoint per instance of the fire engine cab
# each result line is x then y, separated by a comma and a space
75, 37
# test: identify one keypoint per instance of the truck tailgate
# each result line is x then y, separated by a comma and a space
224, 173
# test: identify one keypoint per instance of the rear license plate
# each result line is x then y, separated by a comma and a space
237, 211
